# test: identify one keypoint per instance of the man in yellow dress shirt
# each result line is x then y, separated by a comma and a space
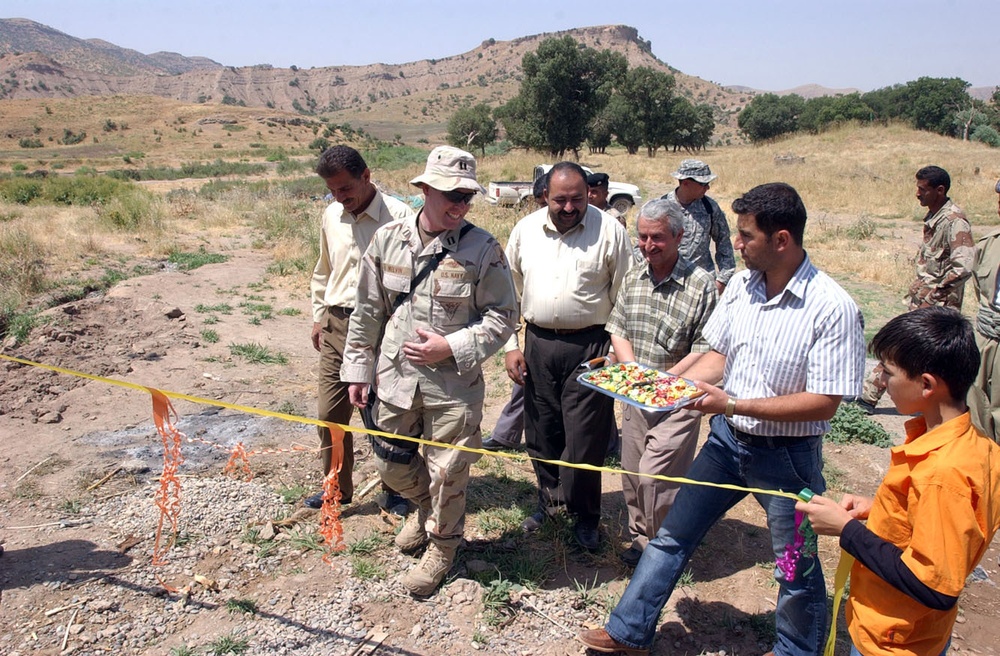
568, 260
358, 210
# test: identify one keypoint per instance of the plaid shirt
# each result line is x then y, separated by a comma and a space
664, 322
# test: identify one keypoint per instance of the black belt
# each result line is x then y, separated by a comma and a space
338, 311
567, 331
765, 441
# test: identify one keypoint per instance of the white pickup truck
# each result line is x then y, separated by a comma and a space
621, 196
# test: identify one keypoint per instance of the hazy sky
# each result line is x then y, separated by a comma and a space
766, 44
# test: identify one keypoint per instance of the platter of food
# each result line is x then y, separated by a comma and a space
639, 385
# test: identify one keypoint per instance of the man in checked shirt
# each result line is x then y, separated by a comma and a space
657, 321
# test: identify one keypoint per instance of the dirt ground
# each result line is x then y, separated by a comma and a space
70, 443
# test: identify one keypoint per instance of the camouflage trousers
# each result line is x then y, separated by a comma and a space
872, 389
435, 479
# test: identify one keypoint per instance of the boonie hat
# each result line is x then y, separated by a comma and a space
696, 170
597, 180
449, 168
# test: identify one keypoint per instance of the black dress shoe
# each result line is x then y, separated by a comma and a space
394, 504
587, 536
492, 445
533, 523
316, 501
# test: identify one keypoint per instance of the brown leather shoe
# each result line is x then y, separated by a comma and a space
599, 640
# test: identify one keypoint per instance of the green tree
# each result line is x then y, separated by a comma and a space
563, 88
691, 126
599, 132
472, 127
648, 103
931, 103
986, 134
928, 103
769, 116
819, 113
626, 130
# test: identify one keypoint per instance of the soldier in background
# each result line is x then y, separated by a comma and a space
704, 223
597, 192
984, 397
944, 260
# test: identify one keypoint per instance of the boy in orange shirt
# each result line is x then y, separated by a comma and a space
938, 506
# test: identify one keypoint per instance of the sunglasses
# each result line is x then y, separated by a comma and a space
459, 196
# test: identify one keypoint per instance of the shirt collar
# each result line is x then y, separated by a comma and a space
682, 268
920, 442
591, 214
933, 219
448, 239
373, 211
796, 286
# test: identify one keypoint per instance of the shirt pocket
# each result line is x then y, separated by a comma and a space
451, 301
671, 335
787, 365
591, 275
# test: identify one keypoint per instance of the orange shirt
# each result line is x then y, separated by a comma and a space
940, 503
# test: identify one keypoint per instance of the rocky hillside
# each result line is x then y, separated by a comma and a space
20, 35
43, 62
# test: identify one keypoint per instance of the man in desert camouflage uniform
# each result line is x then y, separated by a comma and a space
984, 397
436, 331
944, 260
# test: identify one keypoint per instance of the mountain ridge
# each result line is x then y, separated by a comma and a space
38, 61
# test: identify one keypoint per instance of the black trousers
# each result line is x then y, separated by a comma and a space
563, 420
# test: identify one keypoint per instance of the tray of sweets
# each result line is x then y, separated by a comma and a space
639, 385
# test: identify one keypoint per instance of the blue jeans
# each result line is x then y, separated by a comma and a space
800, 616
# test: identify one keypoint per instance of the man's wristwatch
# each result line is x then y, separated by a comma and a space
730, 407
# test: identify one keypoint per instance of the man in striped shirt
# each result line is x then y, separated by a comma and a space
788, 343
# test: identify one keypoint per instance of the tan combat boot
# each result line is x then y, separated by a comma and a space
413, 535
422, 580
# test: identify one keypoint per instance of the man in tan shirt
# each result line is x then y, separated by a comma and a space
358, 210
568, 260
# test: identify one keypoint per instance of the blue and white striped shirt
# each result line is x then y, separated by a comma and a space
808, 338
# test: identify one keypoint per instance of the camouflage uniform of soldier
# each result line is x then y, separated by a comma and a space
984, 396
467, 306
944, 261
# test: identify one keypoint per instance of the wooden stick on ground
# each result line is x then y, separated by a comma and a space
66, 633
104, 480
32, 469
53, 611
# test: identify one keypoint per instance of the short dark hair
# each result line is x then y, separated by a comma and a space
935, 176
933, 340
562, 167
539, 187
340, 158
775, 206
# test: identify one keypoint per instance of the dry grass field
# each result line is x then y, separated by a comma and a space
857, 184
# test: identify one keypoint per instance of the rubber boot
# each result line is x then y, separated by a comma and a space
424, 578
